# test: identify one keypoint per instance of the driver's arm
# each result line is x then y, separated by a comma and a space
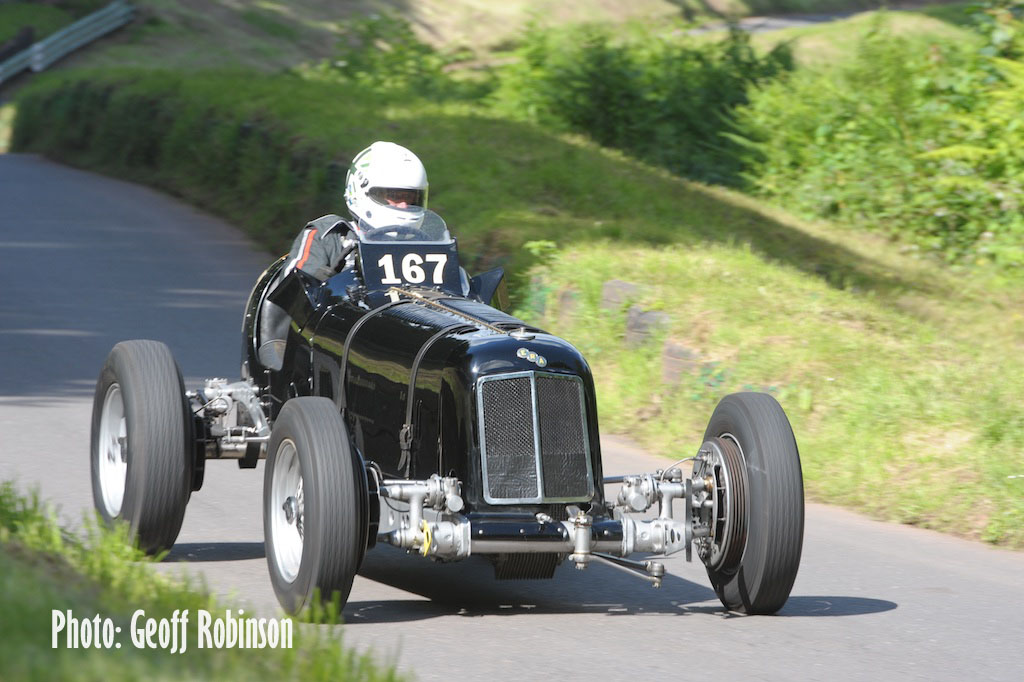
320, 249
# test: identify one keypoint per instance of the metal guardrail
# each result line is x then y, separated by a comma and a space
45, 52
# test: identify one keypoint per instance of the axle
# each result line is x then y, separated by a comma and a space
429, 522
234, 418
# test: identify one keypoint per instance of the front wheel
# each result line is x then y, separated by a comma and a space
313, 519
755, 512
141, 445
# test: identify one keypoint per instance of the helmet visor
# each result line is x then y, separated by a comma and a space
399, 197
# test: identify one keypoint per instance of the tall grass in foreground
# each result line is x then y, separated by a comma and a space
44, 568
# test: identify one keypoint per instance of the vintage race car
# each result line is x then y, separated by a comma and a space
393, 404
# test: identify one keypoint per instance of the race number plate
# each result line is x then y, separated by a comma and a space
393, 264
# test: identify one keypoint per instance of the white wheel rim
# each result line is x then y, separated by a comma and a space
287, 529
112, 450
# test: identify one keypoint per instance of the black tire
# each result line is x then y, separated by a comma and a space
757, 575
156, 443
329, 510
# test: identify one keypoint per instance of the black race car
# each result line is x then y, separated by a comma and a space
394, 404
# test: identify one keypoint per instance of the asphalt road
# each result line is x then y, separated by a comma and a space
86, 261
765, 24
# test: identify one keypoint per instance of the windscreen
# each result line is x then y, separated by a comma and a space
422, 227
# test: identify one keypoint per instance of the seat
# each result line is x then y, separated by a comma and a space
272, 329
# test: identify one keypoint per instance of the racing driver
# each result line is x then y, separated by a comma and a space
386, 185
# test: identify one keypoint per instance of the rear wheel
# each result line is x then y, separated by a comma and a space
756, 511
313, 507
141, 445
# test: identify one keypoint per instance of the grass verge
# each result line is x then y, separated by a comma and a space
6, 123
906, 406
42, 569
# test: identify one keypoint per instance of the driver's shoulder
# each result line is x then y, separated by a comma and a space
327, 224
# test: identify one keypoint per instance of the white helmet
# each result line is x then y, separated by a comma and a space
386, 185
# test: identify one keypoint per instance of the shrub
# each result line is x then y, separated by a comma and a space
1002, 22
981, 175
915, 138
382, 53
664, 101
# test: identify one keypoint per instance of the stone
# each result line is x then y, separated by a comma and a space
678, 359
642, 324
568, 306
615, 293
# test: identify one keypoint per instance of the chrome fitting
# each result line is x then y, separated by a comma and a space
663, 534
638, 493
440, 535
582, 540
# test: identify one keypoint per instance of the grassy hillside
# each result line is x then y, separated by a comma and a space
902, 377
905, 400
271, 151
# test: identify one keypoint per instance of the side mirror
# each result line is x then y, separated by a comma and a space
489, 287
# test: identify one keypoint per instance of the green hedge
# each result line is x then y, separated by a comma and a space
185, 135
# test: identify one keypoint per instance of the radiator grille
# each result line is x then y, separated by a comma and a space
563, 446
510, 453
535, 446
